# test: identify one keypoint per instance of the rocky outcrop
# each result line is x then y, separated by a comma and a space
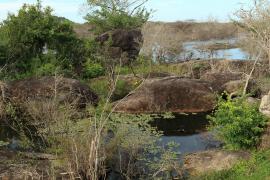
122, 43
169, 94
63, 90
219, 79
156, 75
208, 161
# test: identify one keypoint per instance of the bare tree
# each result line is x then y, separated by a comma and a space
256, 21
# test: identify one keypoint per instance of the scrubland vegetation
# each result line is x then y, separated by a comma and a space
94, 142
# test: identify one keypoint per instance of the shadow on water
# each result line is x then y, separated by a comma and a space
188, 131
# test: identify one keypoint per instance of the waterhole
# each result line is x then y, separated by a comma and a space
189, 131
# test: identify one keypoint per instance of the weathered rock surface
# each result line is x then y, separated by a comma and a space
218, 80
64, 90
169, 94
236, 87
156, 75
265, 105
123, 42
216, 160
265, 109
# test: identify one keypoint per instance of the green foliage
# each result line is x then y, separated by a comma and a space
238, 123
27, 32
2, 143
3, 54
32, 33
122, 89
93, 70
3, 46
70, 51
46, 69
102, 87
109, 15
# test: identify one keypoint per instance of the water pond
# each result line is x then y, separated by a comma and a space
215, 49
195, 50
188, 131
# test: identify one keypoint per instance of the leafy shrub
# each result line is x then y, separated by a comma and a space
46, 69
238, 123
34, 31
93, 70
122, 89
102, 88
126, 145
3, 54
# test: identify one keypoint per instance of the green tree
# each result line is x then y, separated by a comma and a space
107, 15
33, 32
238, 123
27, 33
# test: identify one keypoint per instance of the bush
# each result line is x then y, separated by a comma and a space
93, 70
238, 123
101, 86
32, 33
122, 89
46, 69
127, 146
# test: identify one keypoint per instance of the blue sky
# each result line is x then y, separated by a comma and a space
165, 10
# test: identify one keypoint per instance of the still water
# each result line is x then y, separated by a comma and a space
188, 131
192, 51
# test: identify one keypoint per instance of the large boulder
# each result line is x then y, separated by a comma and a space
265, 109
209, 161
127, 42
63, 90
265, 105
169, 94
219, 79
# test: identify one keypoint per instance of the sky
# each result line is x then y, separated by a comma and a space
164, 10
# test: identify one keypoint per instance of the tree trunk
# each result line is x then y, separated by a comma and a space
251, 72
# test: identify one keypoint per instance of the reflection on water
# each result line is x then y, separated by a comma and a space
192, 51
189, 131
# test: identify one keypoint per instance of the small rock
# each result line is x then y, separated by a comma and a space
265, 105
236, 87
64, 90
216, 160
